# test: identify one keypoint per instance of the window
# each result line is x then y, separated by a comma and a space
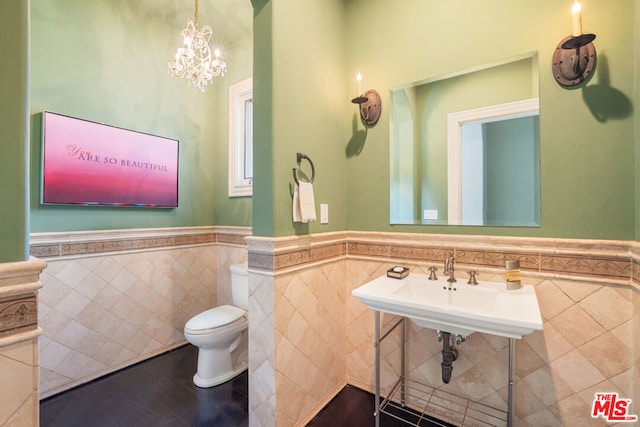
241, 138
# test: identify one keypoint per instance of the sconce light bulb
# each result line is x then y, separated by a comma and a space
576, 19
359, 80
577, 8
217, 53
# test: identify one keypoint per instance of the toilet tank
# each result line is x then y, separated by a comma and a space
240, 285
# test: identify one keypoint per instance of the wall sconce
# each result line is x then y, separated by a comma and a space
369, 103
575, 55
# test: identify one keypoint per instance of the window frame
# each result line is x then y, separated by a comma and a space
239, 94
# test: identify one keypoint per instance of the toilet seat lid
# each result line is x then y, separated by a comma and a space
215, 318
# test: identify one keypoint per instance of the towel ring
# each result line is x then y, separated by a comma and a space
299, 157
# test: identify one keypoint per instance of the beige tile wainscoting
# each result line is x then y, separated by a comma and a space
309, 336
635, 330
113, 298
19, 332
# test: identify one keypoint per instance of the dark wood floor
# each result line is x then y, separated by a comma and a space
160, 392
157, 392
354, 407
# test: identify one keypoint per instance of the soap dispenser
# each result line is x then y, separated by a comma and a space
513, 275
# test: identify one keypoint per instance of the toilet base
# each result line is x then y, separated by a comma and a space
219, 365
212, 382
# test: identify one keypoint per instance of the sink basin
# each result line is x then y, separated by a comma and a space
459, 309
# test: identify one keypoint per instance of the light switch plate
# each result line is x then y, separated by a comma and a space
430, 214
324, 213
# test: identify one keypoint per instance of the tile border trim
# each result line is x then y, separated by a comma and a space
18, 313
19, 283
32, 334
57, 245
603, 261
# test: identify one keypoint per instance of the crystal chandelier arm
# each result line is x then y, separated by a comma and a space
193, 60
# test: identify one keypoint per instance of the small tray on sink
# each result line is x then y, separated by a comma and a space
398, 272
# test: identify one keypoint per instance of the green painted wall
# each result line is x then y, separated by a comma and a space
586, 134
300, 106
263, 166
239, 56
106, 61
636, 115
311, 52
14, 26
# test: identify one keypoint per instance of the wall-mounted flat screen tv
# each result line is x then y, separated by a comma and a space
89, 163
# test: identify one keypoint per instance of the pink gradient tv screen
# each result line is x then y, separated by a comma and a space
89, 163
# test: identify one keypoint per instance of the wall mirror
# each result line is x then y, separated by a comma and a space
465, 149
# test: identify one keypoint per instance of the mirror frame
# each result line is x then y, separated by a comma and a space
455, 121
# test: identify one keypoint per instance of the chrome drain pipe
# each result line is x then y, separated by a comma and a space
449, 352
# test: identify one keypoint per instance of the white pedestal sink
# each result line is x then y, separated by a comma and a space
457, 308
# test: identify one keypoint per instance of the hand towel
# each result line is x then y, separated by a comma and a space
304, 206
307, 202
297, 215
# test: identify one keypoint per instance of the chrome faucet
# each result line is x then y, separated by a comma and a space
448, 267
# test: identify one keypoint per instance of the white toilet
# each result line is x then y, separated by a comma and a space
221, 335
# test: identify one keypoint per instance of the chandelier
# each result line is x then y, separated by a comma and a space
193, 60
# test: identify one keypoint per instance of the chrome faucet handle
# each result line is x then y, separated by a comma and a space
472, 277
448, 263
449, 268
432, 275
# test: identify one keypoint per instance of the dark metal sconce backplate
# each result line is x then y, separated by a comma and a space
572, 66
371, 108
